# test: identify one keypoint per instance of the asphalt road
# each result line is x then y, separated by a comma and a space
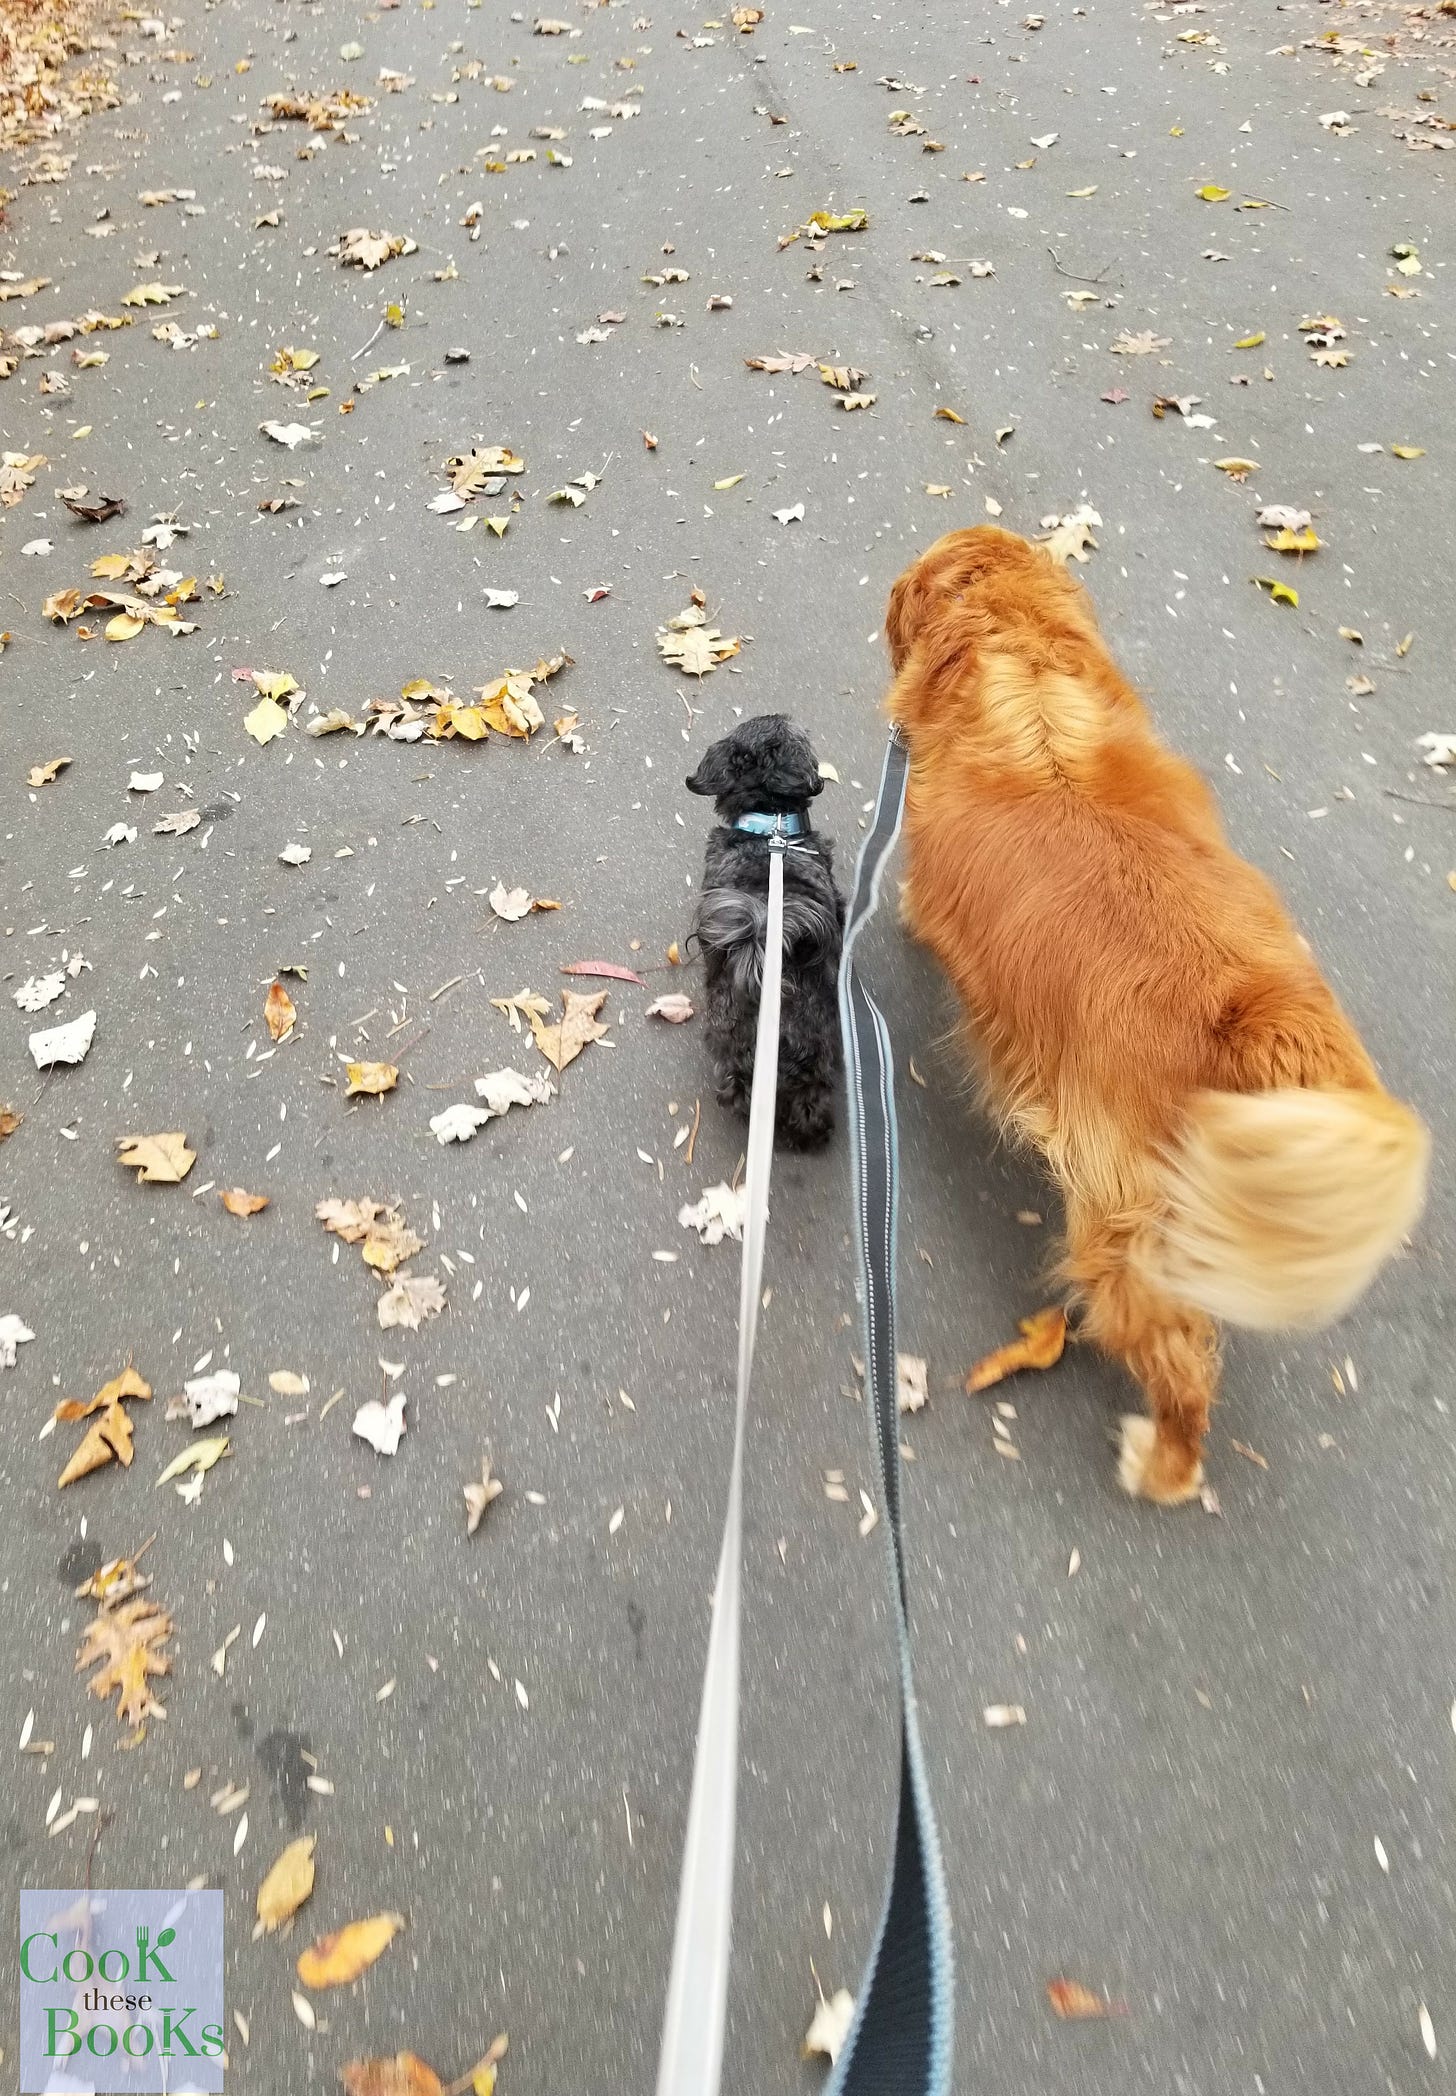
1228, 1720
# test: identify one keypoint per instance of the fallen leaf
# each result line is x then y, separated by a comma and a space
674, 1007
691, 645
124, 1644
1211, 193
1407, 451
1070, 537
290, 434
510, 904
371, 1079
404, 2075
336, 1959
479, 1497
830, 2027
562, 1042
1044, 1334
199, 1457
236, 1202
1072, 2001
1144, 344
153, 294
411, 1299
159, 1160
912, 1384
46, 774
287, 1885
383, 1427
718, 1214
266, 720
1237, 469
1279, 592
280, 1012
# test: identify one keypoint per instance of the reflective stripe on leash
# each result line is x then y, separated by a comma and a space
900, 2041
691, 2060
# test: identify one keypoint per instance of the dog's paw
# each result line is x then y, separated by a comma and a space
1148, 1468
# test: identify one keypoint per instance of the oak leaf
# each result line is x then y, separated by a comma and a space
125, 1643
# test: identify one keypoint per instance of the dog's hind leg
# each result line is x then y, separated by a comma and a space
1170, 1351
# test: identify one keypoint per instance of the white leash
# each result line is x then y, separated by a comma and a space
691, 2060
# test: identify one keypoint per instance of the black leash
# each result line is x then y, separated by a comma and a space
900, 2042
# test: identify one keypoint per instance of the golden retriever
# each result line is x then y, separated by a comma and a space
1139, 1005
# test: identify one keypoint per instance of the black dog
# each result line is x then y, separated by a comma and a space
762, 778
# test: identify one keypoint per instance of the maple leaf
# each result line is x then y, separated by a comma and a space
470, 470
562, 1042
1143, 344
160, 1160
366, 250
690, 644
153, 295
412, 1299
1043, 1336
125, 1644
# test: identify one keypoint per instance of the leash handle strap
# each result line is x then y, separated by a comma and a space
691, 2060
901, 2040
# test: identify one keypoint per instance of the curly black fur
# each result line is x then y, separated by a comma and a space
767, 765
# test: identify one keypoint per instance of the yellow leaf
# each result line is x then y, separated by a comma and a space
160, 1160
371, 1079
153, 295
111, 566
266, 720
1403, 647
1286, 541
1090, 190
948, 415
841, 222
274, 684
1212, 194
1250, 341
731, 482
287, 1885
46, 774
200, 1456
338, 1958
499, 525
1237, 468
125, 626
1408, 451
1279, 592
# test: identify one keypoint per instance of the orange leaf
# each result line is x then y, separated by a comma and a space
1071, 2000
338, 1958
1043, 1335
404, 2075
236, 1202
109, 1437
280, 1011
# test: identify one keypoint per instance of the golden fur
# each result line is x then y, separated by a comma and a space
1139, 1004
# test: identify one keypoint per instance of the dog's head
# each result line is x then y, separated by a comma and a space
765, 763
960, 562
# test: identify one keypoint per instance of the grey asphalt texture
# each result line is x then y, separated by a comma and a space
1224, 1715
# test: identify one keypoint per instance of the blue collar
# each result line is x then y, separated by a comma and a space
759, 825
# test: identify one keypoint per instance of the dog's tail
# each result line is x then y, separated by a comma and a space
733, 924
1282, 1206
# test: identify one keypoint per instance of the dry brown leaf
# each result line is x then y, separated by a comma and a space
287, 1885
1071, 2000
348, 1219
371, 1079
404, 2075
10, 1120
280, 1011
159, 1160
386, 1239
478, 1497
341, 1956
1043, 1336
108, 1439
237, 1202
46, 774
563, 1042
126, 1643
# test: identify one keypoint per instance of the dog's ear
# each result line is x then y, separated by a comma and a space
715, 771
787, 767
